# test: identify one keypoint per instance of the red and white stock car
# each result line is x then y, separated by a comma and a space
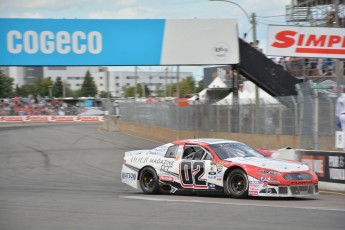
216, 165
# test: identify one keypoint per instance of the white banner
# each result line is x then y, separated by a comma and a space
295, 41
200, 41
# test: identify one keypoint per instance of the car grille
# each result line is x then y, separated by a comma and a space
298, 176
302, 190
283, 190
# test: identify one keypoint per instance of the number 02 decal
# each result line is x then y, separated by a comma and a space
191, 173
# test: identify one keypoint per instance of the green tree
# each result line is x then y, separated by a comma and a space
6, 86
18, 91
76, 93
42, 86
104, 94
89, 88
28, 89
129, 91
186, 86
200, 86
58, 87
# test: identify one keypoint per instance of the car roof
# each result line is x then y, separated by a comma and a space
205, 141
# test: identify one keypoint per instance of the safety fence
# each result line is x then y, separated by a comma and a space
310, 116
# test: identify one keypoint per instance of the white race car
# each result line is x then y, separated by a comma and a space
216, 165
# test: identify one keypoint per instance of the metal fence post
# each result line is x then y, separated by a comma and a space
316, 119
301, 115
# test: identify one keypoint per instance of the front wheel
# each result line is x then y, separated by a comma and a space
149, 181
237, 184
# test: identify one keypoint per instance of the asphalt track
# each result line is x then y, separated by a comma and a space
67, 176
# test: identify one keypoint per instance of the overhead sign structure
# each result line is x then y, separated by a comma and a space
306, 41
77, 42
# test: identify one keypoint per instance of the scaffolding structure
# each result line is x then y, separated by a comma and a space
326, 13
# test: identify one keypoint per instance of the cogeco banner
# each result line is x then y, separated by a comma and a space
69, 42
306, 41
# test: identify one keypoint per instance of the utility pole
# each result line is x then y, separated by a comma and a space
257, 95
178, 82
108, 93
339, 65
166, 82
135, 81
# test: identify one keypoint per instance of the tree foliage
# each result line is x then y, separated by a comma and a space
129, 91
43, 85
200, 86
6, 86
104, 94
58, 87
186, 86
88, 88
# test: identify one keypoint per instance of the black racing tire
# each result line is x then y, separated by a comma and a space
149, 181
236, 184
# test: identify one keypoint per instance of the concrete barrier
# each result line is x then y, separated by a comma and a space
111, 123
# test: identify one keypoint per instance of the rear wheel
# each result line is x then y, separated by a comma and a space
237, 184
149, 181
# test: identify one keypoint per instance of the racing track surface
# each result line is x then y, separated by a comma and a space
67, 176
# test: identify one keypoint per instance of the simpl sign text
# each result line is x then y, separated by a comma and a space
306, 41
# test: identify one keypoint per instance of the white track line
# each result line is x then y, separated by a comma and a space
147, 198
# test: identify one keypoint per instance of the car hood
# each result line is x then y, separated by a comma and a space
269, 163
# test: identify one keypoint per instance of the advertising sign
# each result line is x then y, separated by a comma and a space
78, 42
329, 166
303, 41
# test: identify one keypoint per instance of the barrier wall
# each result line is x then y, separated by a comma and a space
35, 119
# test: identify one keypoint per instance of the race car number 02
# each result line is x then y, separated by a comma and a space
191, 173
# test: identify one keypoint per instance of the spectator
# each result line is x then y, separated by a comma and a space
340, 110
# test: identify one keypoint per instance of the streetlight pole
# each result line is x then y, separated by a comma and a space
252, 21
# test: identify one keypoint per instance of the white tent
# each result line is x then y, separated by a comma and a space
216, 83
248, 96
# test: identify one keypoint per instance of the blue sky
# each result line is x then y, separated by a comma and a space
268, 12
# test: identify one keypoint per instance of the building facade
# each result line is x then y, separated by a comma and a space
107, 81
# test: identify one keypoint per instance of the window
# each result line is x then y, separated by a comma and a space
196, 153
229, 150
171, 152
101, 84
117, 77
77, 84
117, 84
101, 78
57, 68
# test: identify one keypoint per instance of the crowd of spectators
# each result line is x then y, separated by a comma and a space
34, 105
302, 67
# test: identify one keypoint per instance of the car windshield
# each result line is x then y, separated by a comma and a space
230, 150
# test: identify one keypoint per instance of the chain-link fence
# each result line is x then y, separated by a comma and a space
309, 116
